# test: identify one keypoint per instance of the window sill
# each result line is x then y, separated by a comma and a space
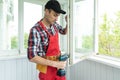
113, 62
79, 57
8, 57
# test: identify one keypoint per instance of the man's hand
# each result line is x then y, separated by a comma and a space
60, 64
66, 19
65, 29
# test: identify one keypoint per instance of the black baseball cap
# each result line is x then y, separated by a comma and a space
54, 5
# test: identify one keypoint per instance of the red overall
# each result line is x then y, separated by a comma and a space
53, 50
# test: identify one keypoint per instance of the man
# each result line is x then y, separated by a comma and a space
43, 43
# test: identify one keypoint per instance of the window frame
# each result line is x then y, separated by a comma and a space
72, 52
104, 59
8, 52
21, 22
20, 50
95, 38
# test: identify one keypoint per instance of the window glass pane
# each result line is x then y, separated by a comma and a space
109, 27
83, 26
8, 24
63, 41
32, 14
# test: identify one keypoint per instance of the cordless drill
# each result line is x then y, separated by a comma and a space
62, 72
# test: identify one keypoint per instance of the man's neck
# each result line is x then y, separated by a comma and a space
44, 21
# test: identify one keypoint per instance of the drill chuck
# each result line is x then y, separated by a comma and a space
63, 57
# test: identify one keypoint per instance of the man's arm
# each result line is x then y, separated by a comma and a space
66, 28
43, 61
33, 49
63, 30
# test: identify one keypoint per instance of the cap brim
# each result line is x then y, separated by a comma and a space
63, 12
60, 11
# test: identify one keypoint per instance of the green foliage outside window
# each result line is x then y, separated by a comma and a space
109, 36
14, 41
87, 42
25, 40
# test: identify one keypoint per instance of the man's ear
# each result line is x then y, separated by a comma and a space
47, 11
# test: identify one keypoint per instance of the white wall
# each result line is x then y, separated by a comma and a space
22, 69
17, 69
90, 70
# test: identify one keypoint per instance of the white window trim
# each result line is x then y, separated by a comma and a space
20, 50
17, 56
110, 61
71, 39
8, 52
71, 51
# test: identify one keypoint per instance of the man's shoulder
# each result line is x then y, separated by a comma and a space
36, 27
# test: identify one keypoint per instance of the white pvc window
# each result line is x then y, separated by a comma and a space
32, 14
16, 19
8, 26
109, 27
83, 16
